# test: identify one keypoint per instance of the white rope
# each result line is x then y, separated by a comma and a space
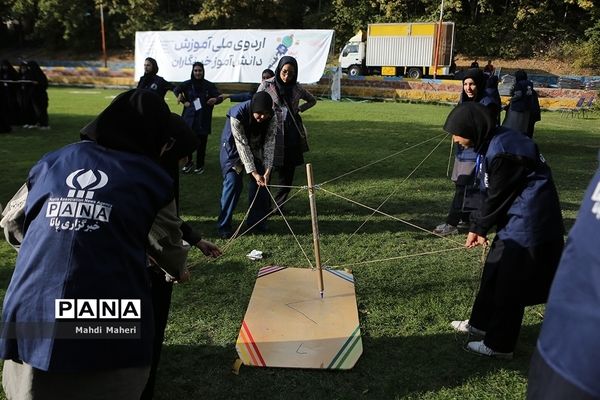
397, 258
235, 236
290, 228
383, 159
390, 216
394, 192
288, 187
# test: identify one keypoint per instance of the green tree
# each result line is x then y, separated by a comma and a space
60, 23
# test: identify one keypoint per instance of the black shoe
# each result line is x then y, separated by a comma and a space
187, 168
199, 171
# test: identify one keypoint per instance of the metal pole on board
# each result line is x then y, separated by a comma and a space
315, 225
102, 35
437, 42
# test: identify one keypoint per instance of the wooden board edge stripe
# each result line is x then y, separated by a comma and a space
251, 345
346, 349
269, 270
344, 275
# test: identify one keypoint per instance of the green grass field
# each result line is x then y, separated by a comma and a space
405, 305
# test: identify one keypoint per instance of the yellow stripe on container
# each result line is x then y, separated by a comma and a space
389, 30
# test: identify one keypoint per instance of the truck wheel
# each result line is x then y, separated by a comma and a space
354, 70
414, 73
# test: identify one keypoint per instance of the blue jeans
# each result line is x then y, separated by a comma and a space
232, 189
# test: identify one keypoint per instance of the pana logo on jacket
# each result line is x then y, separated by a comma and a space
596, 201
84, 184
78, 211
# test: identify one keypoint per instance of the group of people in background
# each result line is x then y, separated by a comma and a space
23, 96
522, 112
256, 140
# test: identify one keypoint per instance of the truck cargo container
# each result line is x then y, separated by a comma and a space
400, 49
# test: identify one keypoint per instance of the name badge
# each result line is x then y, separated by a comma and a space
197, 105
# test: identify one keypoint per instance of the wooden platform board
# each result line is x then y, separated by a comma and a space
287, 324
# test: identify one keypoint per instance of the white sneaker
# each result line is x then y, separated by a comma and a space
464, 327
480, 348
445, 229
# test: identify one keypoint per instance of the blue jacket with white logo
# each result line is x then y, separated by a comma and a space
569, 338
87, 217
522, 201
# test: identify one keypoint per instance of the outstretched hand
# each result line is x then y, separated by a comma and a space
209, 249
474, 240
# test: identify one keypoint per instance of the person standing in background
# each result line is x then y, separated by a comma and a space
524, 107
8, 97
290, 140
151, 81
199, 97
39, 96
25, 96
489, 68
464, 201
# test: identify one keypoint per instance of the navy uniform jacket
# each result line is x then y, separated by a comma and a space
156, 84
525, 206
199, 120
87, 217
569, 338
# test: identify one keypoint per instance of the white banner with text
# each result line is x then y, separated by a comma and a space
233, 55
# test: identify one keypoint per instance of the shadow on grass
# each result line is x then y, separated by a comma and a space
390, 367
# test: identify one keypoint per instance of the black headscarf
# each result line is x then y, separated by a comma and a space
37, 75
262, 102
137, 121
154, 66
8, 72
520, 75
477, 75
472, 121
286, 89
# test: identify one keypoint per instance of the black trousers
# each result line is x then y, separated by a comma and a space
544, 383
161, 302
513, 278
285, 177
456, 214
40, 108
201, 150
